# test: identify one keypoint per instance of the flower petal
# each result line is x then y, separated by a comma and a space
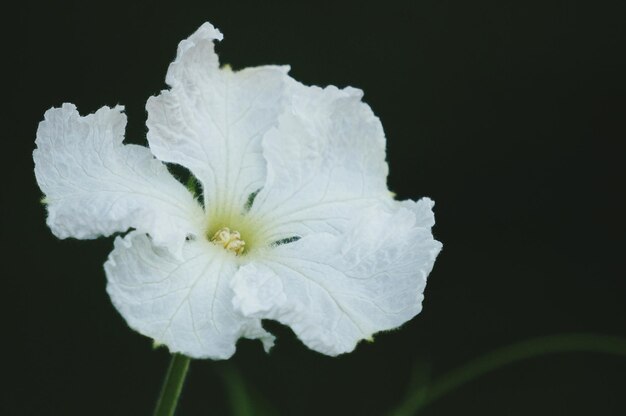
182, 303
95, 185
325, 160
211, 120
336, 290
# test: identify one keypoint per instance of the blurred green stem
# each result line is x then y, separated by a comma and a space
172, 385
237, 393
425, 395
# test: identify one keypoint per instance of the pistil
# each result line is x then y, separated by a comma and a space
230, 240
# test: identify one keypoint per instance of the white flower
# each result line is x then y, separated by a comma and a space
296, 222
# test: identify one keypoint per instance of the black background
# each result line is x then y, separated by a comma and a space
510, 115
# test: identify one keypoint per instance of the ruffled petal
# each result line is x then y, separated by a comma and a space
95, 185
336, 290
212, 120
326, 160
185, 303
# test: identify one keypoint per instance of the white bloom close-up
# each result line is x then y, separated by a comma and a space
294, 222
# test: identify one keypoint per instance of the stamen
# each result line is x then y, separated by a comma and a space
230, 240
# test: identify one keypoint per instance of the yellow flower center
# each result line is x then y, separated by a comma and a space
230, 240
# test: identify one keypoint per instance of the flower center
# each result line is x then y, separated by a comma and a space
230, 240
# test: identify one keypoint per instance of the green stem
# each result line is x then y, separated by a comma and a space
508, 355
237, 392
172, 385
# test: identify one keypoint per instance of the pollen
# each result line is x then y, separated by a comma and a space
230, 240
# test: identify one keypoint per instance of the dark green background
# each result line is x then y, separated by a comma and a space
510, 115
